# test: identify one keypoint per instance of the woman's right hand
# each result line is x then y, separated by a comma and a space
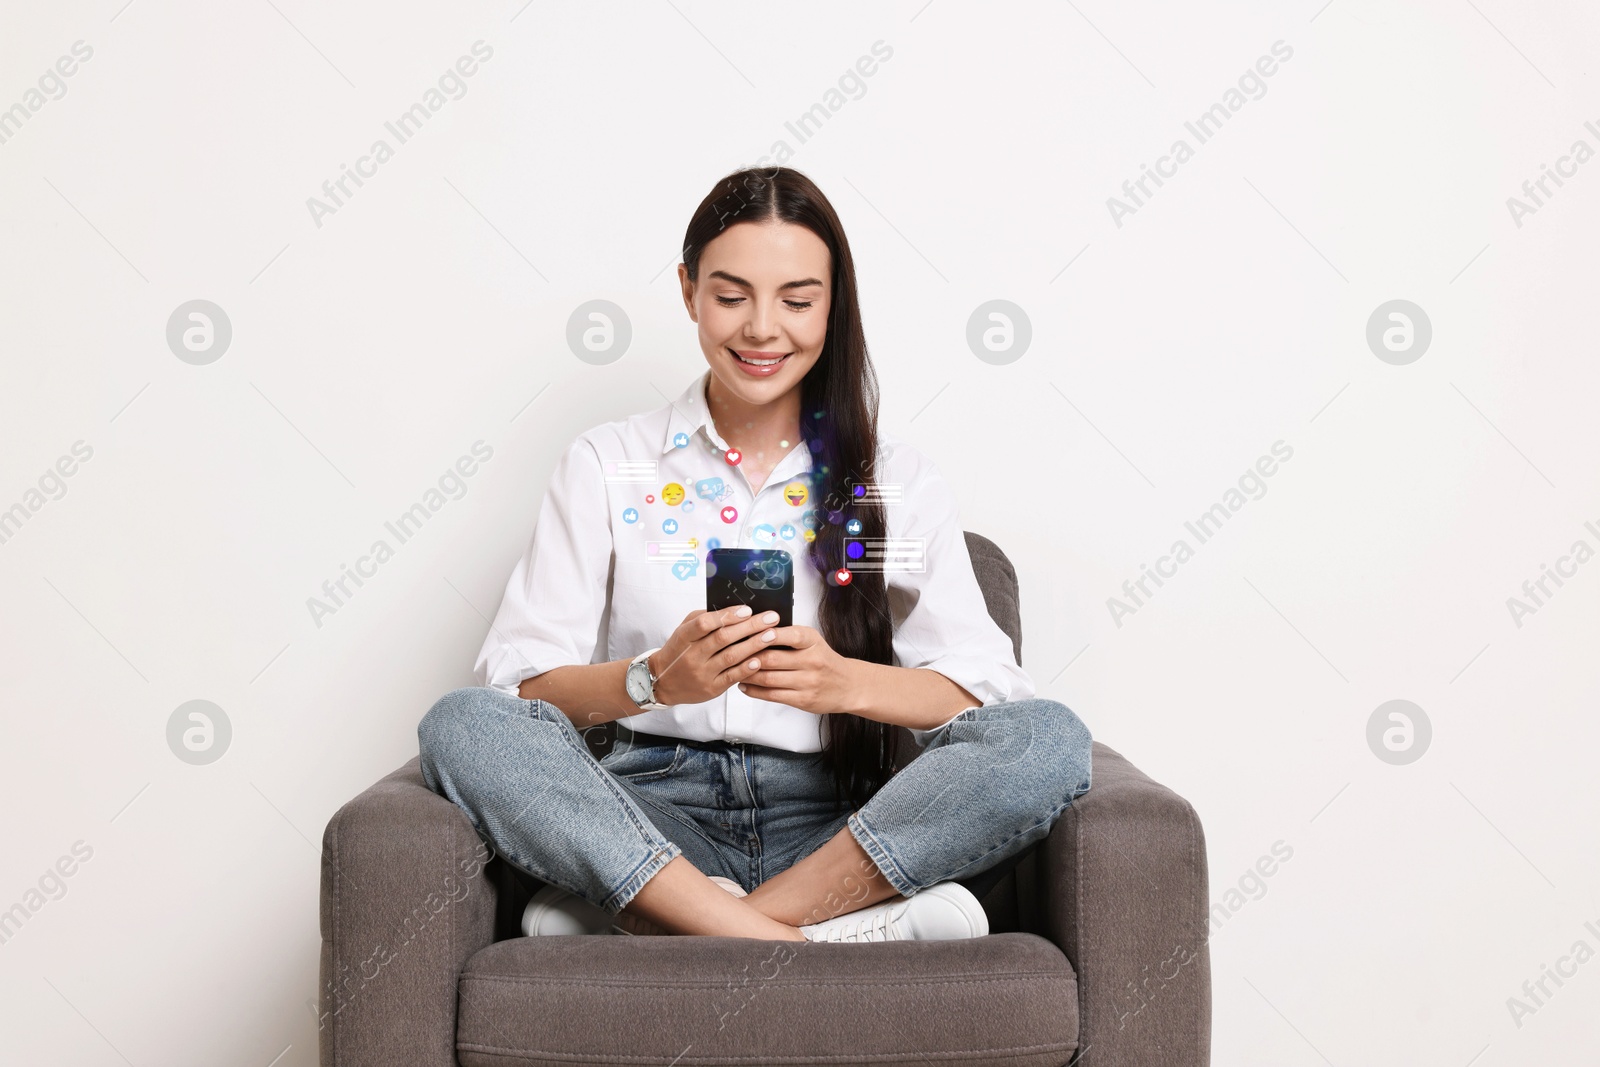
709, 652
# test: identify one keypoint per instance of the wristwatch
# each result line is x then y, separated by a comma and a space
641, 682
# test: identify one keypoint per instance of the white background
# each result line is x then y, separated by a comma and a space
1226, 314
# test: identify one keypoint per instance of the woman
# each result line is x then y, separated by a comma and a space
749, 792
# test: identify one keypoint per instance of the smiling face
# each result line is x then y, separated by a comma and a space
762, 296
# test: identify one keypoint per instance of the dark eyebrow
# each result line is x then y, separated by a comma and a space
736, 280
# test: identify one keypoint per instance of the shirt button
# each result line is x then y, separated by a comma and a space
736, 740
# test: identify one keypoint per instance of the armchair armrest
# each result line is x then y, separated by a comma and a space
1120, 886
405, 901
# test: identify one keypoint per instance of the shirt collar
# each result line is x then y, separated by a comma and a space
690, 413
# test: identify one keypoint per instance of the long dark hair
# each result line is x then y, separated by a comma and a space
839, 422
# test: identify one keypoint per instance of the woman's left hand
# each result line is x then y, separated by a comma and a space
808, 674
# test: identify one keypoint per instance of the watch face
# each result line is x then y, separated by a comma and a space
638, 681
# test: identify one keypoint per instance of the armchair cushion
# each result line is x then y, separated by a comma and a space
1008, 998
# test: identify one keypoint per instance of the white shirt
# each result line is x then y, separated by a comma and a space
610, 570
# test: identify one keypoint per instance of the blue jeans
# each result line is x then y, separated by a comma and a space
985, 786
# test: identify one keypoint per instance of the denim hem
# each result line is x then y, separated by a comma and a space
886, 864
984, 863
635, 882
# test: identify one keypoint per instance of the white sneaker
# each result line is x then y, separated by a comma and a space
946, 911
638, 925
554, 911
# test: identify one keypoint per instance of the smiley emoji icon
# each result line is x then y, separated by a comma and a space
795, 493
672, 494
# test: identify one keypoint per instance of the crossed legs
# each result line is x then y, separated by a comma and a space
987, 786
837, 878
941, 817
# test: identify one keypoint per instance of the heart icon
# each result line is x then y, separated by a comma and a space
732, 457
649, 498
730, 514
842, 576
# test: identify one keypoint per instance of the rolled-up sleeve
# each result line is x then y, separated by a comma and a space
556, 598
942, 623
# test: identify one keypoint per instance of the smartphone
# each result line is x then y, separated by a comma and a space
760, 577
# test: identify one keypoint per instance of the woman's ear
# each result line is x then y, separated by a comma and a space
687, 287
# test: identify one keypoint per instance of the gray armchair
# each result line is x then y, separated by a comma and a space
1096, 954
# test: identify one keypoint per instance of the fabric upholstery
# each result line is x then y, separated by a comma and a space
998, 580
719, 1000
